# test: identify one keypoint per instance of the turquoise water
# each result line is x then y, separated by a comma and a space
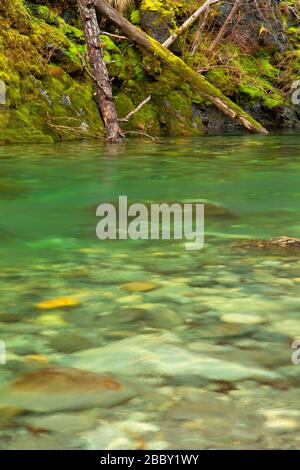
141, 344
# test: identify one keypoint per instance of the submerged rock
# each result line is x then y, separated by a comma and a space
52, 320
288, 326
59, 389
63, 423
162, 355
9, 318
242, 318
278, 243
68, 343
140, 286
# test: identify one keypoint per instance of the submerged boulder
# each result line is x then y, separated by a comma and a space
164, 355
278, 243
60, 389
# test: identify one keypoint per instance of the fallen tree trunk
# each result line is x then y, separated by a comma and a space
189, 22
196, 81
99, 71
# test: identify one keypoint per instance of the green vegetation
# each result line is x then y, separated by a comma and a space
50, 92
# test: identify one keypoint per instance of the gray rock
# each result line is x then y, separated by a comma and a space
162, 355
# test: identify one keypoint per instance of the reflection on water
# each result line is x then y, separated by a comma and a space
143, 345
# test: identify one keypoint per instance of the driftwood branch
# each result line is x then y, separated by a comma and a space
223, 30
189, 22
111, 35
136, 110
177, 66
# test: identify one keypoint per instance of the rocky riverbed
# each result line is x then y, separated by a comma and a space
143, 345
155, 363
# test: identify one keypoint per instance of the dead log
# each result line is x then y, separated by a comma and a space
99, 71
196, 81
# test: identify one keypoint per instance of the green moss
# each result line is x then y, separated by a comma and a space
43, 12
175, 114
16, 13
124, 105
169, 6
152, 5
247, 79
257, 82
126, 64
44, 102
135, 17
221, 78
146, 120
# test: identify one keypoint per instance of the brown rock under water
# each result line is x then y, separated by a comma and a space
278, 243
54, 380
60, 389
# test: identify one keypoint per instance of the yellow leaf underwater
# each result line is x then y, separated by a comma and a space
61, 302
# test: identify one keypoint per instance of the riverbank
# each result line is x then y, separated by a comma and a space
50, 94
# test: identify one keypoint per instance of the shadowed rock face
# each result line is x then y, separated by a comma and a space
253, 15
278, 243
157, 25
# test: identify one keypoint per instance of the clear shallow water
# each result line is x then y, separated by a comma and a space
201, 361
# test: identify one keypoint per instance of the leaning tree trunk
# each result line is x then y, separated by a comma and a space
99, 71
195, 80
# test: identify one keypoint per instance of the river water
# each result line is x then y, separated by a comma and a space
142, 344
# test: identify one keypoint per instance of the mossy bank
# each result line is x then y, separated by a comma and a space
50, 93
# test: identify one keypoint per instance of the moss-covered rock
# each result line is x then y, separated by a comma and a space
16, 13
48, 97
175, 110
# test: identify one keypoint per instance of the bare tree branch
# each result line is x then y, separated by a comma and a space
223, 30
189, 22
111, 35
136, 110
